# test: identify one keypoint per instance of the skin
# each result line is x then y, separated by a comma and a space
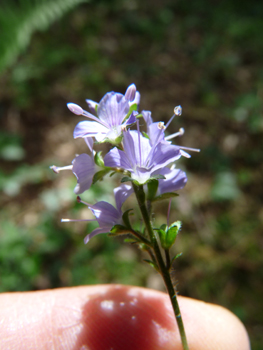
113, 317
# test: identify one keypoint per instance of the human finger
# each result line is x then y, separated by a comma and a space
113, 317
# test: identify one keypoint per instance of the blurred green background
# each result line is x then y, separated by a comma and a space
206, 56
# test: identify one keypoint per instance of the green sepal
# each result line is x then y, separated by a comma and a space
100, 174
162, 236
126, 219
152, 264
118, 230
115, 142
168, 235
152, 189
126, 179
132, 108
172, 233
146, 135
98, 159
166, 195
157, 177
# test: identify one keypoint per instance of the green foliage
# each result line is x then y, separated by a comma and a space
168, 235
166, 195
225, 187
10, 147
19, 21
118, 230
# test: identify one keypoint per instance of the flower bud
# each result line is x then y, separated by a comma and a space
130, 92
75, 108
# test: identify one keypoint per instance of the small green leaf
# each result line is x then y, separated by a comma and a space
162, 236
168, 235
163, 227
118, 230
100, 174
175, 257
146, 135
152, 189
172, 234
152, 264
125, 218
98, 159
166, 195
132, 108
157, 177
126, 179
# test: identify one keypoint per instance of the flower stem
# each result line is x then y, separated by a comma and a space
140, 195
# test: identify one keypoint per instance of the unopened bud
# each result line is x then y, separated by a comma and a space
130, 92
75, 108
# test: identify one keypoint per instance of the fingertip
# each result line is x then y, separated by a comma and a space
212, 327
114, 316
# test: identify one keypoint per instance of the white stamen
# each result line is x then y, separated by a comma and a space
76, 220
184, 154
178, 133
57, 169
178, 110
190, 149
76, 109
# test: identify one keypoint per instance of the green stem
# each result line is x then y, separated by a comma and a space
168, 260
141, 238
140, 195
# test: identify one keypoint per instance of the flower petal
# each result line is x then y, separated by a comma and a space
112, 109
96, 232
136, 147
121, 193
116, 158
84, 169
89, 141
105, 213
175, 179
163, 154
131, 120
136, 100
92, 106
88, 129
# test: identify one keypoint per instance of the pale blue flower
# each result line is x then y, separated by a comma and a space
140, 158
84, 168
106, 214
175, 179
111, 117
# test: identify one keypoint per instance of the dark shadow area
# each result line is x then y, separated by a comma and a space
115, 321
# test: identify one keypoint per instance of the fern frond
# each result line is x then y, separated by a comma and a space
19, 22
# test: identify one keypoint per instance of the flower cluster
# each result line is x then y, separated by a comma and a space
142, 157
